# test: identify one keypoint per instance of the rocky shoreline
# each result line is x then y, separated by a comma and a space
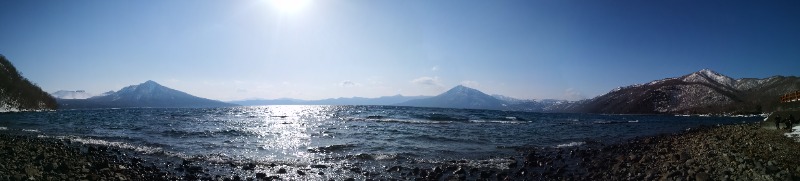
733, 152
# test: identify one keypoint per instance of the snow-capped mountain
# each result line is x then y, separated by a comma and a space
509, 99
704, 91
459, 97
147, 94
65, 94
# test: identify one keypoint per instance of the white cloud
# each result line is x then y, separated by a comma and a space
470, 83
435, 68
573, 95
348, 83
427, 81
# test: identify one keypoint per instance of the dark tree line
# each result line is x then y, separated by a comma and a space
15, 88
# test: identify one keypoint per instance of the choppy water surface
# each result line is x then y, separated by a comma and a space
337, 134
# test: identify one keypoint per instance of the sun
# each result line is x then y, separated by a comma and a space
290, 6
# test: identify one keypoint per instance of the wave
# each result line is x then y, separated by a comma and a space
415, 121
30, 130
440, 117
571, 144
614, 122
376, 156
436, 138
228, 132
331, 148
122, 145
3, 128
375, 117
498, 121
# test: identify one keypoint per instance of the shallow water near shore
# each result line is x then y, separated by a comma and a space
372, 136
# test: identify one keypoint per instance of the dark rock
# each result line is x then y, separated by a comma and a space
319, 166
394, 169
185, 162
512, 164
437, 170
261, 175
300, 172
485, 174
702, 176
281, 171
249, 166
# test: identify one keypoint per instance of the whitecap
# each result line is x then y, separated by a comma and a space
3, 128
571, 144
496, 121
123, 145
30, 130
414, 121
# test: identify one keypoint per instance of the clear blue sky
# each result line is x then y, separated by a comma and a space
232, 50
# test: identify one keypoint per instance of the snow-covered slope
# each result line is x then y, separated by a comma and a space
705, 91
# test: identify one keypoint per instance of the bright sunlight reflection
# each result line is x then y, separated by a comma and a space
290, 6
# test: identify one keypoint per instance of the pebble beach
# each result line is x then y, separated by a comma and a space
732, 152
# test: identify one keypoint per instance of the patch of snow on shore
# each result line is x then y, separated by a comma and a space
795, 134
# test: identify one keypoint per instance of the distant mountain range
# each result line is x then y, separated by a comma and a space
19, 94
700, 92
457, 97
147, 94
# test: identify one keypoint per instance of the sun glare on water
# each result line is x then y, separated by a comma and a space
290, 6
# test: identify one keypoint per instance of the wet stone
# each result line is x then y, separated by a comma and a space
261, 175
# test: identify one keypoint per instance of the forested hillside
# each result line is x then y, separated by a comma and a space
19, 94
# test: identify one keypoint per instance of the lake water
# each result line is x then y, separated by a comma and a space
303, 135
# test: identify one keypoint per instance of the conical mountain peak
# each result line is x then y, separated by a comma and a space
461, 88
709, 76
151, 82
459, 97
149, 94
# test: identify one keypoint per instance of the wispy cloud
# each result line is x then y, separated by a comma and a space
427, 81
573, 95
470, 83
435, 68
348, 83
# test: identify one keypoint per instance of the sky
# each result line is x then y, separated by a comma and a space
316, 49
